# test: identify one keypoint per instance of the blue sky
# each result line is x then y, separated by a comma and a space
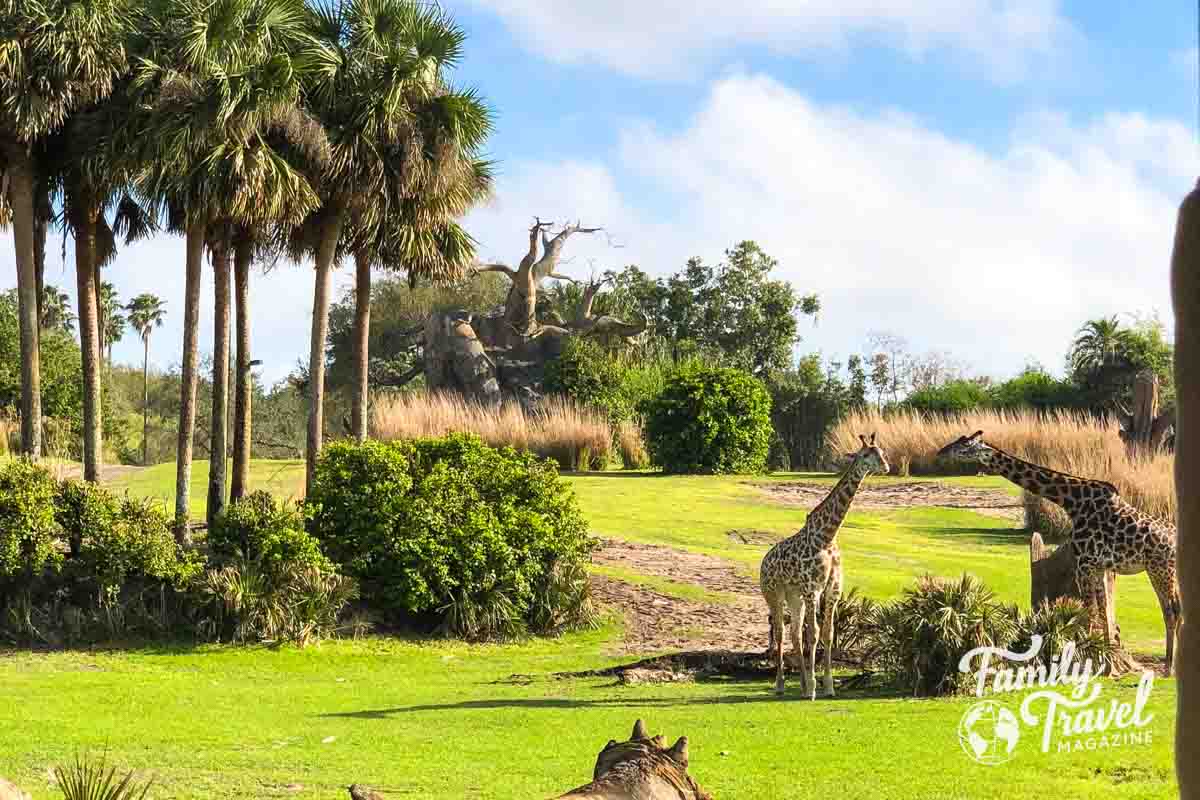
978, 176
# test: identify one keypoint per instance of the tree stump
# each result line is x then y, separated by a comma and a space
1052, 575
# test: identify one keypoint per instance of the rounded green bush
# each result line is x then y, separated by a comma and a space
455, 534
28, 533
712, 421
257, 528
590, 376
118, 542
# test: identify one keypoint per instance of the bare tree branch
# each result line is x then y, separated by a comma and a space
507, 270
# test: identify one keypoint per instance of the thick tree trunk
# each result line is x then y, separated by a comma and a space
89, 338
219, 447
362, 337
1185, 290
20, 193
187, 392
243, 253
332, 230
146, 400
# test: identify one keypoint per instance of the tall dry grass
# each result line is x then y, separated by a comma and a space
578, 438
1073, 444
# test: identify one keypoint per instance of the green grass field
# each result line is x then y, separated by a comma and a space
447, 720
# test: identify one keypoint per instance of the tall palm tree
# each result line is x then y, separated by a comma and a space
56, 56
393, 124
1099, 343
417, 236
146, 312
222, 79
112, 321
56, 311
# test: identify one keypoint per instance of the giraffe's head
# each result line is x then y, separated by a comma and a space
870, 458
967, 449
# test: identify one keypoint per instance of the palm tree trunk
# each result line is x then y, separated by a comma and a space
220, 380
20, 193
85, 257
39, 259
243, 253
330, 233
187, 400
146, 401
362, 337
1185, 292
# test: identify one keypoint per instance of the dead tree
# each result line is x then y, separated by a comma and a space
488, 356
1144, 429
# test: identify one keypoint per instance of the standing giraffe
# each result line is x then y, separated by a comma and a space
799, 570
1108, 534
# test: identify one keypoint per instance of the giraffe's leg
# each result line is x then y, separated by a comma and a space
777, 642
832, 596
813, 627
1166, 586
1092, 595
796, 606
795, 633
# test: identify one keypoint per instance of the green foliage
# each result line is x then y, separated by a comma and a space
246, 601
1036, 388
91, 780
257, 528
60, 363
710, 421
949, 398
919, 639
119, 542
590, 376
734, 309
27, 525
1065, 620
450, 532
806, 403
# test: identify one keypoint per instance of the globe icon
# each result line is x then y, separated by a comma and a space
988, 733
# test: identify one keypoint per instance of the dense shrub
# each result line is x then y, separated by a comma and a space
1064, 620
453, 533
282, 601
134, 549
710, 421
27, 524
587, 374
258, 528
949, 398
919, 639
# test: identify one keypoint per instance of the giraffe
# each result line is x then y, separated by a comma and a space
797, 572
1108, 534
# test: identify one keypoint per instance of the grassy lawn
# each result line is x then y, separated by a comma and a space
448, 720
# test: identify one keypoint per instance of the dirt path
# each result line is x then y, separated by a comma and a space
992, 502
655, 621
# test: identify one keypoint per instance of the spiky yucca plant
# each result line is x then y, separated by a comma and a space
95, 780
1062, 621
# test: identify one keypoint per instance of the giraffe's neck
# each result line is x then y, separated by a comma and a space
824, 521
1057, 487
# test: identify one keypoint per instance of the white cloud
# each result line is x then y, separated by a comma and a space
997, 257
664, 39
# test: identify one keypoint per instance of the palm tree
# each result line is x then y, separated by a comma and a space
1099, 343
395, 128
112, 321
56, 310
223, 82
146, 312
56, 56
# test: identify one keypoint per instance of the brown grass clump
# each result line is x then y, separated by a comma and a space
1074, 444
632, 445
577, 438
